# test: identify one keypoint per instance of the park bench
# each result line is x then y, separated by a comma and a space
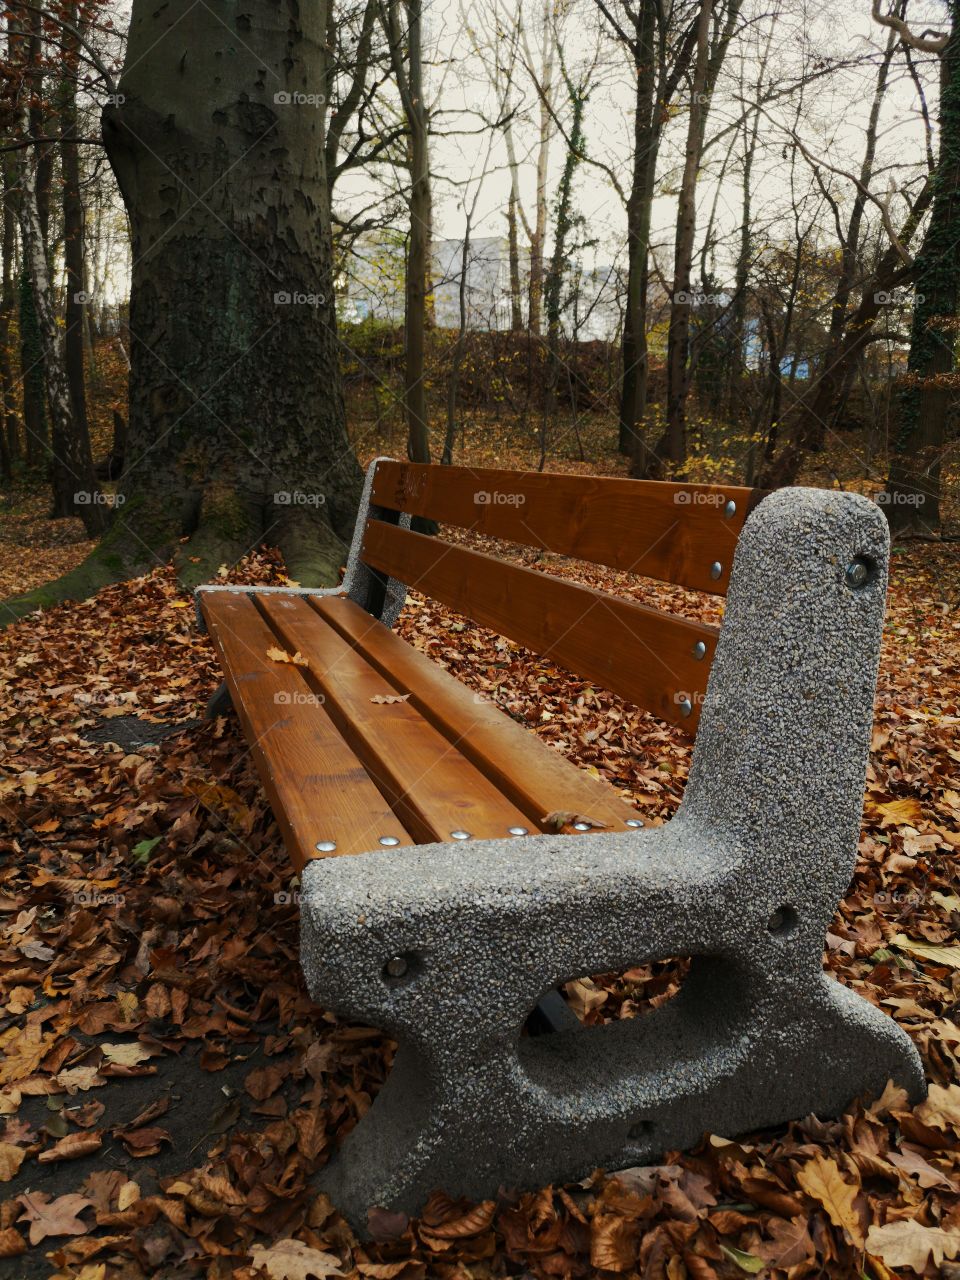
468, 909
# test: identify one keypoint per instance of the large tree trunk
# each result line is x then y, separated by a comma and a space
917, 444
236, 428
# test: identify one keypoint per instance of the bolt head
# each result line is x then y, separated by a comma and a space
699, 650
730, 509
716, 569
459, 835
518, 831
581, 826
858, 574
325, 846
634, 822
389, 841
396, 967
686, 706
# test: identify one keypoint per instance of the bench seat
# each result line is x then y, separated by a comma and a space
371, 744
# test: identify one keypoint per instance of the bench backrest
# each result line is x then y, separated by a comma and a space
677, 533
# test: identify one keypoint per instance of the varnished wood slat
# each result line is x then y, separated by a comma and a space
538, 779
434, 788
316, 786
672, 532
646, 656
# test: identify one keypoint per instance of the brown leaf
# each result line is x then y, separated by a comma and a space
72, 1147
470, 1223
144, 1142
12, 1243
765, 1190
53, 1217
789, 1245
260, 1084
390, 697
311, 1131
560, 818
384, 1225
613, 1243
911, 1162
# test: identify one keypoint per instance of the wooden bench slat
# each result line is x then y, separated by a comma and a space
434, 788
537, 778
672, 532
645, 656
317, 787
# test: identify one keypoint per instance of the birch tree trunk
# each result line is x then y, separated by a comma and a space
673, 445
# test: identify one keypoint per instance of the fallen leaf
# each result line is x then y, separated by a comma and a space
125, 1055
941, 1107
281, 655
53, 1217
390, 697
948, 956
908, 1244
72, 1147
822, 1181
560, 818
129, 1194
294, 1260
905, 812
11, 1158
80, 1079
912, 1162
12, 1243
747, 1262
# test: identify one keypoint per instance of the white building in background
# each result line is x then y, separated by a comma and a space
373, 279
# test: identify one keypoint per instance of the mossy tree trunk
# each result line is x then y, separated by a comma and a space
236, 432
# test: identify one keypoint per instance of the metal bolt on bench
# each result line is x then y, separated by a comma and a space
450, 939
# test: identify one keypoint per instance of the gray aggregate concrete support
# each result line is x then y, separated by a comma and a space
745, 880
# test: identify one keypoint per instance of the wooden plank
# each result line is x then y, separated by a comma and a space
535, 777
672, 532
646, 656
429, 783
316, 786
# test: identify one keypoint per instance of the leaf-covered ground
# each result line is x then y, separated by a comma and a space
167, 1088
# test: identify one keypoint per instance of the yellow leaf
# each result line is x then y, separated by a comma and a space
897, 813
129, 1194
948, 956
127, 1055
822, 1181
941, 1107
